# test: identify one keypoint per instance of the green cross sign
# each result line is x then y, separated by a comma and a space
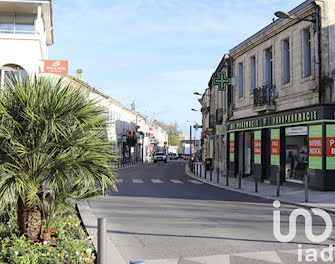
221, 81
196, 126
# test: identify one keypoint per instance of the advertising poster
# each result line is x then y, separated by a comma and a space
232, 147
330, 159
275, 147
258, 147
315, 147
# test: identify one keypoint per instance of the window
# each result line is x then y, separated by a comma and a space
306, 53
268, 66
17, 24
252, 74
286, 61
240, 80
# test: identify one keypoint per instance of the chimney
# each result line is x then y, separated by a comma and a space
133, 106
80, 74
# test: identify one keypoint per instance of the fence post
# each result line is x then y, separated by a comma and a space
102, 236
306, 187
278, 184
217, 175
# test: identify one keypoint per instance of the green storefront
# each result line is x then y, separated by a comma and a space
292, 144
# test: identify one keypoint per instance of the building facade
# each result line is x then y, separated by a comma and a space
280, 110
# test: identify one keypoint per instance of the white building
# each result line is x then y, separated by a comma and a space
26, 29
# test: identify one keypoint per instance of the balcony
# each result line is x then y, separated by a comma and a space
219, 116
264, 99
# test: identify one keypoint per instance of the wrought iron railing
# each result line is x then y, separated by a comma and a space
264, 95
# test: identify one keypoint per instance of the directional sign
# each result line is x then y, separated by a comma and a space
221, 81
196, 126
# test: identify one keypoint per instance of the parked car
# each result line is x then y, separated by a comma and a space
173, 156
186, 156
160, 156
180, 156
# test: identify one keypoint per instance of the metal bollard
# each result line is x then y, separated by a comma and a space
227, 178
205, 172
306, 188
102, 239
278, 184
256, 184
239, 180
200, 170
211, 173
217, 175
197, 169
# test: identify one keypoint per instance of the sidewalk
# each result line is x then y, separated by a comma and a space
288, 194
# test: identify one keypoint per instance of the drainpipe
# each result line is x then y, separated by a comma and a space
318, 32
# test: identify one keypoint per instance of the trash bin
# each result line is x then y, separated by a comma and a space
208, 162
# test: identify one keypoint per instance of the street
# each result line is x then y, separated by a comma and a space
161, 215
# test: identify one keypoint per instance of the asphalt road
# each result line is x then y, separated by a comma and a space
163, 216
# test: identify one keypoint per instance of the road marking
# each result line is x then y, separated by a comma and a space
156, 181
270, 256
195, 182
137, 181
119, 180
177, 181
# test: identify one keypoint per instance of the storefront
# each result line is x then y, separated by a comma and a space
292, 144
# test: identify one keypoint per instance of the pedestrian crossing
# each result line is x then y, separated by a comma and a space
157, 181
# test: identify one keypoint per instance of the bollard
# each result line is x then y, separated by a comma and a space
200, 170
102, 238
240, 180
205, 172
306, 188
278, 184
193, 168
227, 178
256, 184
211, 173
217, 175
197, 169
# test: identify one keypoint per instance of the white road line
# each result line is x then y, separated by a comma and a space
177, 181
137, 181
195, 181
119, 180
156, 181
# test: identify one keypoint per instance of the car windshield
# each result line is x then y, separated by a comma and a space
159, 153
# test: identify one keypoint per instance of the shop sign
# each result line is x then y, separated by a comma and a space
330, 159
232, 147
55, 66
294, 118
315, 147
245, 124
275, 147
258, 147
221, 130
296, 131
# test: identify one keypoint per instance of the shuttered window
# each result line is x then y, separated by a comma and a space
286, 65
268, 66
240, 80
252, 74
306, 52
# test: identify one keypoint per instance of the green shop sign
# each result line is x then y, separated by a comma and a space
232, 147
245, 124
315, 147
258, 147
275, 147
294, 118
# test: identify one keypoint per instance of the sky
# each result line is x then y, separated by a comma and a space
155, 52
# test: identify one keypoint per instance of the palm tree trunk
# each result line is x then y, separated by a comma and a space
29, 220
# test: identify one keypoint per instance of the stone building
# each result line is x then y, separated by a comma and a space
280, 110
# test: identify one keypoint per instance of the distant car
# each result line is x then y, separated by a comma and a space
186, 156
160, 156
180, 156
173, 156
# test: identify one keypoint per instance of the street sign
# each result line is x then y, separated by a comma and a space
222, 81
196, 126
221, 130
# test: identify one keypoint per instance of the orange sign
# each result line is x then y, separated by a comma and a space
258, 146
315, 147
330, 146
275, 147
56, 66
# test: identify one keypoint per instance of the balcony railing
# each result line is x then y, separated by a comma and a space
264, 96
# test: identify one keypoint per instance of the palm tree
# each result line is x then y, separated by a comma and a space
52, 149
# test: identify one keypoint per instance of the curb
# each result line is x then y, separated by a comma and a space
90, 223
190, 174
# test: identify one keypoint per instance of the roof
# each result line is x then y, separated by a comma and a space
277, 21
